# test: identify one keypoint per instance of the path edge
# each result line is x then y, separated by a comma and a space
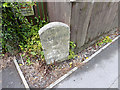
21, 74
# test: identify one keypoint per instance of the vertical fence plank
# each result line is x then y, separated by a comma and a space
95, 20
79, 22
45, 10
113, 21
59, 11
38, 12
51, 10
40, 9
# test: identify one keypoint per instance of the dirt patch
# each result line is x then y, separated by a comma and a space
6, 61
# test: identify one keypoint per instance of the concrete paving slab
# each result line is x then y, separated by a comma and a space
0, 79
100, 72
115, 84
10, 78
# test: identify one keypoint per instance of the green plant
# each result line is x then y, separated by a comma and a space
71, 50
33, 45
20, 34
15, 27
28, 61
103, 40
2, 55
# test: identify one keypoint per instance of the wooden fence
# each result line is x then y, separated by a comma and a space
40, 9
86, 20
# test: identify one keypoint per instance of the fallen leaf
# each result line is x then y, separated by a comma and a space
86, 57
20, 64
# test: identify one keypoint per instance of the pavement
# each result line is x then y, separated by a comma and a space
99, 72
11, 78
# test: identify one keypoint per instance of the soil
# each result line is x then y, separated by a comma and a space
6, 61
40, 75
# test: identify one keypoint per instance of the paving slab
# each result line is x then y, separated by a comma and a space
115, 84
0, 79
11, 78
99, 72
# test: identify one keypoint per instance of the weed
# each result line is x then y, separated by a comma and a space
71, 50
104, 40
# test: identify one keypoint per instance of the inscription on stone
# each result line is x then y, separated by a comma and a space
55, 38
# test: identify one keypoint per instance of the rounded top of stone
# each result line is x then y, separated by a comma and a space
52, 24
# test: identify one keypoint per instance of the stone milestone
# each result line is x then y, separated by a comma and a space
55, 38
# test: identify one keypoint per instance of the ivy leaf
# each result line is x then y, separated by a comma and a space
23, 55
2, 54
28, 60
5, 4
33, 53
42, 53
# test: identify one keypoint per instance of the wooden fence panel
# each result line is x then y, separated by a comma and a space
101, 19
95, 22
87, 21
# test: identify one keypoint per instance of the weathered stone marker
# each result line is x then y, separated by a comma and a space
55, 38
